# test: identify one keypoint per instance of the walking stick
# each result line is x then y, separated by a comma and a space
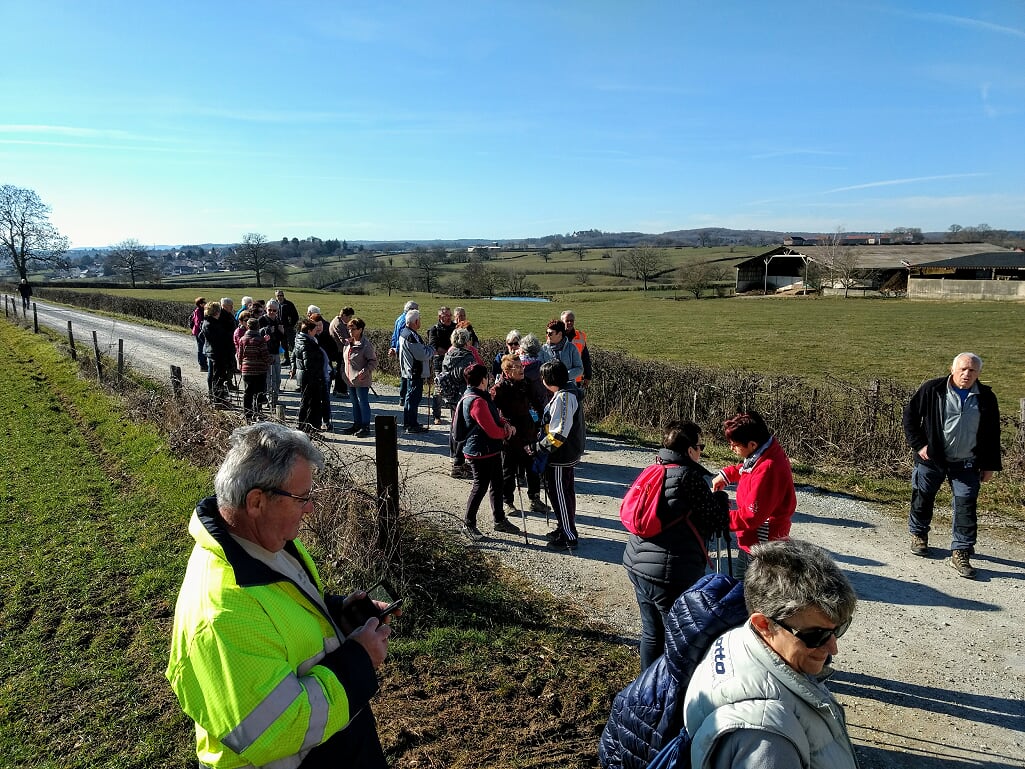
523, 511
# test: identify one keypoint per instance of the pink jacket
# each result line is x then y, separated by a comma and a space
765, 498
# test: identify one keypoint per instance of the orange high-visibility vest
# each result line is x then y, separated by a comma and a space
580, 342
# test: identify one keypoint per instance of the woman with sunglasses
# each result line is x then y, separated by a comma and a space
757, 697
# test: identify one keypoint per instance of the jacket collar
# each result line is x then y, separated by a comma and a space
249, 572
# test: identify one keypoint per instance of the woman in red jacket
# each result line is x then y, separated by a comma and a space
766, 499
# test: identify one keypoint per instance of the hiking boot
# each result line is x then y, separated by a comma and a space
471, 531
920, 545
350, 430
554, 534
510, 509
959, 562
414, 429
536, 505
561, 543
506, 527
363, 432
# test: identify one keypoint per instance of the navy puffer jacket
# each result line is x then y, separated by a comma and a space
648, 712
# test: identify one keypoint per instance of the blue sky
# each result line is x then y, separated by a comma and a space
192, 122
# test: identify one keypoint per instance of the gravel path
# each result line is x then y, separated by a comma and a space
932, 672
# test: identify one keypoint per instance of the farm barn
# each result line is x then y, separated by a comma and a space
870, 268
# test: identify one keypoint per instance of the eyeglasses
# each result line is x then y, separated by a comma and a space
815, 637
700, 447
552, 332
513, 344
282, 493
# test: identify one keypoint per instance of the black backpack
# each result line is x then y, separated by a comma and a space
461, 426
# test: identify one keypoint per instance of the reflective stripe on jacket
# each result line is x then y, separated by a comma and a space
260, 666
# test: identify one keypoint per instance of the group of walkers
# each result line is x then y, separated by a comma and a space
262, 337
733, 668
514, 421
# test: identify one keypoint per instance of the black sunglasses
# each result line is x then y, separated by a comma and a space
815, 637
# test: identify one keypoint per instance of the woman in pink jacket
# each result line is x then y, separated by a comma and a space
766, 499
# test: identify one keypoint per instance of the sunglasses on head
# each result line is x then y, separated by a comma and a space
815, 637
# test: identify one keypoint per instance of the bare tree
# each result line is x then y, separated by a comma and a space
841, 262
618, 264
131, 259
696, 278
256, 254
583, 277
427, 265
546, 254
26, 234
518, 283
646, 262
390, 278
580, 251
480, 279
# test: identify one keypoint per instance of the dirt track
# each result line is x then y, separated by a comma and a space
932, 673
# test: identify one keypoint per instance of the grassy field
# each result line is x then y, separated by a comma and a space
482, 671
853, 340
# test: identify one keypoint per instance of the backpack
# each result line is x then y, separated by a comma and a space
460, 426
449, 388
639, 509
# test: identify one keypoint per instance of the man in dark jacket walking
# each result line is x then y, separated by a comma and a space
953, 425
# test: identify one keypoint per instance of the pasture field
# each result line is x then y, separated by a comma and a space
853, 340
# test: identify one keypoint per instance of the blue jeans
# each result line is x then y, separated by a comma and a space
654, 601
200, 355
414, 394
926, 480
359, 397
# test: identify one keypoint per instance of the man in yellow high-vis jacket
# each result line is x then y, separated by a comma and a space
258, 659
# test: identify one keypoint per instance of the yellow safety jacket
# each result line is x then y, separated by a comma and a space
261, 667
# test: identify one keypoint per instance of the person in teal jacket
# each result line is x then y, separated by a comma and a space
263, 661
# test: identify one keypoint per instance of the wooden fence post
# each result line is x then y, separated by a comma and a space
35, 319
176, 381
71, 342
120, 358
6, 313
387, 446
99, 363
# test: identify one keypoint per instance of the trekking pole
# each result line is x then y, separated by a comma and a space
523, 511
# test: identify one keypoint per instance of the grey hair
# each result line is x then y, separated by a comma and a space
312, 309
530, 345
514, 334
975, 359
261, 456
227, 300
567, 312
411, 316
247, 300
273, 303
410, 306
460, 337
789, 575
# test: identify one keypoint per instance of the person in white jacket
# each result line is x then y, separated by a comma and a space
757, 699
